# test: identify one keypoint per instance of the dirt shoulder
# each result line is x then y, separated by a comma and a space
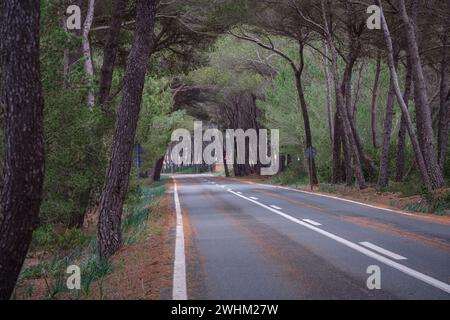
139, 271
370, 196
144, 270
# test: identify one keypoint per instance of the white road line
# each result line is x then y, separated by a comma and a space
275, 207
254, 198
239, 192
386, 252
314, 223
179, 268
337, 198
402, 268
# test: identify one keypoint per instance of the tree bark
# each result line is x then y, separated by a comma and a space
414, 141
400, 159
22, 107
326, 74
86, 47
158, 167
116, 183
110, 51
306, 124
358, 84
383, 177
444, 101
423, 111
342, 109
373, 108
336, 175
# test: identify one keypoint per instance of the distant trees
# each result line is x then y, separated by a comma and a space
22, 112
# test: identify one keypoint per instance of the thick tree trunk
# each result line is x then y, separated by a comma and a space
383, 177
116, 183
373, 108
22, 113
444, 101
400, 159
423, 111
336, 175
110, 50
414, 141
86, 47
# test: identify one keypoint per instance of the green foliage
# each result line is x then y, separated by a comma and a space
93, 269
75, 137
46, 238
156, 120
136, 216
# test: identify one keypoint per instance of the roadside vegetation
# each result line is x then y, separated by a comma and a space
55, 247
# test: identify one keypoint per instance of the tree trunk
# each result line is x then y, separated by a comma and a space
444, 101
86, 47
346, 89
400, 159
328, 87
373, 108
158, 167
358, 84
383, 177
337, 147
22, 113
348, 136
110, 51
423, 111
116, 183
414, 141
307, 127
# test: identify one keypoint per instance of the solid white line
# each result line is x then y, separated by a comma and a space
314, 223
337, 198
254, 198
179, 269
381, 250
275, 207
406, 270
239, 192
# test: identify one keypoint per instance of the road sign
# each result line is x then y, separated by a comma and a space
310, 152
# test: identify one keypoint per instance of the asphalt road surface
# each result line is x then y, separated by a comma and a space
253, 241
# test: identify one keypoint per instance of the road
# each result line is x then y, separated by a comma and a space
252, 241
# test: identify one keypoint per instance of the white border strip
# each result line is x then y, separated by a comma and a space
402, 268
314, 223
337, 198
381, 250
179, 268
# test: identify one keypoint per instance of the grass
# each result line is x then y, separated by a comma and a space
60, 249
135, 222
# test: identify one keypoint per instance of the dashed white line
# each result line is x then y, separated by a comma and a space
383, 251
314, 223
402, 268
254, 198
179, 269
275, 207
